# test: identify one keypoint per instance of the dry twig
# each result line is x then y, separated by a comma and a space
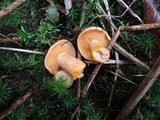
129, 56
16, 104
141, 27
123, 4
21, 50
9, 39
11, 8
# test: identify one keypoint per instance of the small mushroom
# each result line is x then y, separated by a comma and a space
92, 43
61, 56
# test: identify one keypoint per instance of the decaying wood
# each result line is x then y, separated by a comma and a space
141, 90
9, 39
11, 8
16, 104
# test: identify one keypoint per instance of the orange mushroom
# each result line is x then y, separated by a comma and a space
61, 56
92, 43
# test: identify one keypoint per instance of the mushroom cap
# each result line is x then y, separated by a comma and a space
89, 34
51, 59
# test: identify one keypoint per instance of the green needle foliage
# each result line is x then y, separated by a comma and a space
5, 92
90, 111
69, 101
8, 60
58, 86
143, 41
96, 115
87, 107
18, 114
45, 35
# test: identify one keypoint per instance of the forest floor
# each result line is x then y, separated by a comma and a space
124, 87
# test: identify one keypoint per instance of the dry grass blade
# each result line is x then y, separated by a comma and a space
16, 104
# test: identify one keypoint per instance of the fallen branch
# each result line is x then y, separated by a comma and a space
16, 104
11, 8
141, 27
141, 90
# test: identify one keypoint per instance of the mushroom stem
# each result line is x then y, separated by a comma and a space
65, 77
71, 65
99, 52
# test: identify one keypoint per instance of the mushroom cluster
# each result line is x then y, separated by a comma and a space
61, 58
60, 61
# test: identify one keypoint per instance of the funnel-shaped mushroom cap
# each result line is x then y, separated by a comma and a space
86, 39
51, 59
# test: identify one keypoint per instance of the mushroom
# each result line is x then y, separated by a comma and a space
61, 56
92, 43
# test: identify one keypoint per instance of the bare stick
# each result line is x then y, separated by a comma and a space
109, 14
129, 56
141, 27
127, 9
105, 15
113, 85
121, 2
122, 77
114, 38
9, 39
141, 90
21, 50
111, 62
16, 104
11, 7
